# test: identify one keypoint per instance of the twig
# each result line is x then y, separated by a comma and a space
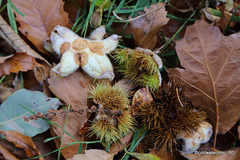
178, 97
14, 40
133, 19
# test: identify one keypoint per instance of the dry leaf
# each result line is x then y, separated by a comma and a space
176, 6
93, 154
45, 147
71, 89
74, 122
163, 155
72, 9
233, 154
142, 96
117, 147
6, 154
16, 42
221, 22
212, 69
17, 62
18, 152
41, 17
22, 141
238, 132
145, 28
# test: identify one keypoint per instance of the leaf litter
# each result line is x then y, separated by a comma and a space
214, 87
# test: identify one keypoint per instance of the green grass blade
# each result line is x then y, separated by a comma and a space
170, 40
2, 78
15, 8
11, 18
113, 18
85, 26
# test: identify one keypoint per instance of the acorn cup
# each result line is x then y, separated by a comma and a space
113, 119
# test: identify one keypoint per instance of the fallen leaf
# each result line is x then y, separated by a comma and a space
45, 147
71, 89
211, 63
176, 6
144, 156
5, 92
224, 21
22, 141
164, 155
72, 9
145, 28
118, 147
93, 154
238, 132
141, 97
16, 42
232, 154
41, 17
6, 154
2, 59
17, 62
17, 152
74, 122
12, 111
221, 22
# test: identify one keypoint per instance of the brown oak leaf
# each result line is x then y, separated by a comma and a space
212, 68
41, 17
145, 28
17, 62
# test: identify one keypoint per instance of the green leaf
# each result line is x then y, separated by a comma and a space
143, 156
12, 112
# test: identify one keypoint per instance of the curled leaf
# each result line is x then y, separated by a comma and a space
17, 62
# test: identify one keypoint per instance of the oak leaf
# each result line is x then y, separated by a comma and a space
22, 141
41, 17
17, 62
212, 69
146, 27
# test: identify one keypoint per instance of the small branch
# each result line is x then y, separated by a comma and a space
133, 19
14, 40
